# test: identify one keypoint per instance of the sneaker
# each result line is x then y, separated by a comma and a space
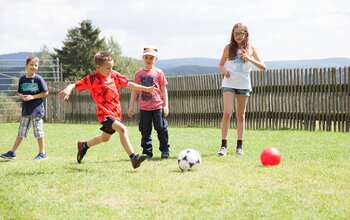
9, 155
138, 159
239, 151
81, 151
165, 155
41, 156
149, 154
222, 152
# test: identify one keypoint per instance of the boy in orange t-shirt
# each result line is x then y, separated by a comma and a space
104, 85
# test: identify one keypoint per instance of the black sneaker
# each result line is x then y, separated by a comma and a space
137, 160
81, 151
165, 155
10, 155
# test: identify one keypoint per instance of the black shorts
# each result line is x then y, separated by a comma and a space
107, 125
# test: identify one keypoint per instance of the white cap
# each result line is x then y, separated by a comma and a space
150, 51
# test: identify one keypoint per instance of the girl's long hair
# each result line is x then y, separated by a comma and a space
233, 48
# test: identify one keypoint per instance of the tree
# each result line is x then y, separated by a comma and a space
125, 65
79, 49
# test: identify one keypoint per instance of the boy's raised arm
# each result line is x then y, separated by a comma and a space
136, 86
65, 93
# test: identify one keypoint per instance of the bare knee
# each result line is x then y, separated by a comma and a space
227, 115
240, 117
121, 129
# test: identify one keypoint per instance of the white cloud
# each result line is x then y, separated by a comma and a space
280, 29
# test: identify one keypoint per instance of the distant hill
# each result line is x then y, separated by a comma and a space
16, 56
197, 65
187, 66
167, 64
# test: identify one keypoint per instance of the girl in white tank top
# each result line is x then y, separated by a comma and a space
236, 63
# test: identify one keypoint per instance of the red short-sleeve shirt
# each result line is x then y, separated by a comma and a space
105, 90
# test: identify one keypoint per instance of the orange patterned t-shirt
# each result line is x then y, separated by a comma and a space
105, 91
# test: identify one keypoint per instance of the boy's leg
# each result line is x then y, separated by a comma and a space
123, 136
83, 146
136, 159
104, 137
16, 144
23, 129
145, 127
161, 126
38, 131
11, 154
22, 132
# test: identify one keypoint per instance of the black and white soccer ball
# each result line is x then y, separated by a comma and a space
189, 159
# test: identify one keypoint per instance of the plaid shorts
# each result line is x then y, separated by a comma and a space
24, 126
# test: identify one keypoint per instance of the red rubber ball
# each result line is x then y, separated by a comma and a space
270, 157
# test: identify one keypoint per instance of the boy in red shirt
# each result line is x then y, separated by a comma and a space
104, 85
153, 106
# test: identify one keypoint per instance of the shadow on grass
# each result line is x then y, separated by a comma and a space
30, 173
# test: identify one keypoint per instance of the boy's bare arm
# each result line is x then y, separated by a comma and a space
136, 86
133, 96
65, 93
165, 99
31, 97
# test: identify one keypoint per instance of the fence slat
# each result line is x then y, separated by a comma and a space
308, 99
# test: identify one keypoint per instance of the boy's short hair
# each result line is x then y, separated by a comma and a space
150, 51
32, 57
101, 57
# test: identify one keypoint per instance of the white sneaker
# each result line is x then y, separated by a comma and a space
239, 151
222, 152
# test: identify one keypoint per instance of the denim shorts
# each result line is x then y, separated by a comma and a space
243, 92
26, 121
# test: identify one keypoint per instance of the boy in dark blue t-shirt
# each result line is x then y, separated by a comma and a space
31, 89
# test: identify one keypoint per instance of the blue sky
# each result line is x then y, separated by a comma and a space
279, 29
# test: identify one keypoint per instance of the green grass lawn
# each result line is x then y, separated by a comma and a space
312, 181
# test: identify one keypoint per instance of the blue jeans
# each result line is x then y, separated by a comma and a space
160, 125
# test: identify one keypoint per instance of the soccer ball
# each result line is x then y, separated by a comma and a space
189, 159
270, 157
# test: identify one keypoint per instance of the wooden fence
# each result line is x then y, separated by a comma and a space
306, 99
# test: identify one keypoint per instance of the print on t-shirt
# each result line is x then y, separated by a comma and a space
30, 87
147, 81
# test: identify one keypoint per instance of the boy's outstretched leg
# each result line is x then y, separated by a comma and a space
136, 159
83, 146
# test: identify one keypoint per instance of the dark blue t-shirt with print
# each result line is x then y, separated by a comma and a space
32, 86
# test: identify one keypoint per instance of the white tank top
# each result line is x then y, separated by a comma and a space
240, 73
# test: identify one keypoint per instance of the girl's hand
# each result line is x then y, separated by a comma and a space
227, 73
244, 56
